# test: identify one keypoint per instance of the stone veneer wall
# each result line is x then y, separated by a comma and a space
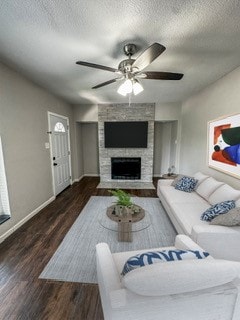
124, 112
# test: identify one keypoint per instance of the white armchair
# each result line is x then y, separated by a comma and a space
191, 289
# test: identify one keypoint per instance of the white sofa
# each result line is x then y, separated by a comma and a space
184, 210
185, 290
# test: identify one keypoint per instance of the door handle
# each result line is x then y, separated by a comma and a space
55, 164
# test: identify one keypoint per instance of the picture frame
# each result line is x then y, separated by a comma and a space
224, 144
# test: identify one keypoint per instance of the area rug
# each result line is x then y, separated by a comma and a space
75, 258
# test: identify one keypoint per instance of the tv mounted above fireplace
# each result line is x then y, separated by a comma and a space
126, 134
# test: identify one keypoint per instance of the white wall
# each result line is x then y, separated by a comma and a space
157, 149
168, 111
79, 151
174, 141
87, 149
220, 98
90, 148
165, 147
86, 113
23, 128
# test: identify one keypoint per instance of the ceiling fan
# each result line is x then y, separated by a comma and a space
131, 70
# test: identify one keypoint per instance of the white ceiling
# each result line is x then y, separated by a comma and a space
44, 38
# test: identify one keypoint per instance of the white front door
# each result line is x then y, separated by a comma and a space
60, 153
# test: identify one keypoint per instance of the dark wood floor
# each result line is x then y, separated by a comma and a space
25, 253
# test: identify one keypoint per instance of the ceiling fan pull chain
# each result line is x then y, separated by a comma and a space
129, 99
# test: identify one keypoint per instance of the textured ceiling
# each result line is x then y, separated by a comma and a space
43, 39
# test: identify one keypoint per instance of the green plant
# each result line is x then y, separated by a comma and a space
123, 198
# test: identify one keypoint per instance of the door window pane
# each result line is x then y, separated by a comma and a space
59, 127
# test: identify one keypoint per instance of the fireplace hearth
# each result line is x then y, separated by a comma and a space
126, 168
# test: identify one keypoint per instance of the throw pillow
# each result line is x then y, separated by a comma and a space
223, 193
147, 258
186, 184
217, 209
207, 187
176, 180
200, 177
178, 278
230, 219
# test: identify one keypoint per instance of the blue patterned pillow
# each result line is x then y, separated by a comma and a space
217, 209
186, 184
147, 258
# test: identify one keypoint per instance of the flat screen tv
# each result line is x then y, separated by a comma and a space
126, 134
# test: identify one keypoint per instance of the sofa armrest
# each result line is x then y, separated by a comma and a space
221, 242
116, 301
108, 276
165, 182
185, 243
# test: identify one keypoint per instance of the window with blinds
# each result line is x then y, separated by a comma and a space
4, 201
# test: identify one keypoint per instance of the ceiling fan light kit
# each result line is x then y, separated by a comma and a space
125, 87
137, 87
130, 69
129, 86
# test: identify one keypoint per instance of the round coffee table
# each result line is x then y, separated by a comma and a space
124, 225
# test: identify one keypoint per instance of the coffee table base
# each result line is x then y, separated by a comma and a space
125, 231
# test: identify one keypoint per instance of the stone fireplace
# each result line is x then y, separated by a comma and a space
124, 112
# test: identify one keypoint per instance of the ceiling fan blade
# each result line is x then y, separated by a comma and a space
105, 83
148, 56
96, 66
162, 75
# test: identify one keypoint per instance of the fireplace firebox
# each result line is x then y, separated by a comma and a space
126, 168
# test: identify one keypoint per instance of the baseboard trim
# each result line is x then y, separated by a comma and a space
77, 180
24, 220
86, 175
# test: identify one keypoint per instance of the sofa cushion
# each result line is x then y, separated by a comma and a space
217, 209
200, 177
230, 219
186, 184
179, 277
172, 195
223, 193
151, 257
207, 187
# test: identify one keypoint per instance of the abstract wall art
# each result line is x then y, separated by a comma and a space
224, 144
